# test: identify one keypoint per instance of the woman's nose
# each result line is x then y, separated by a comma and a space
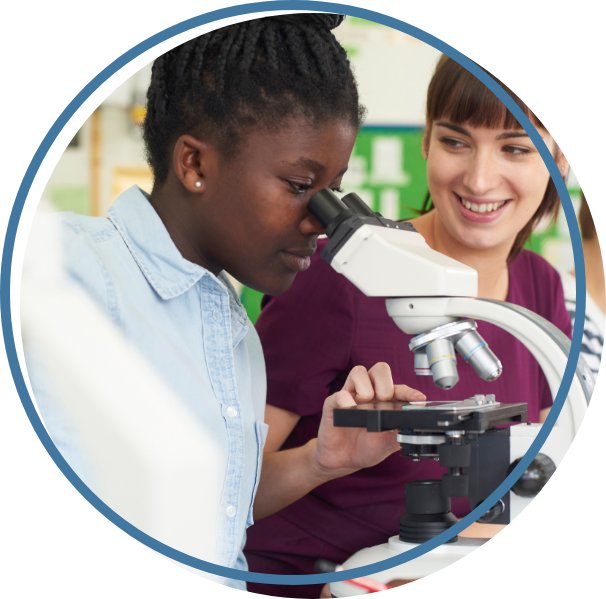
481, 175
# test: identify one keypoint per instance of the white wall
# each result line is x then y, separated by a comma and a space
393, 71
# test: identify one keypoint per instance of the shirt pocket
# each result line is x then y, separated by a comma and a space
261, 432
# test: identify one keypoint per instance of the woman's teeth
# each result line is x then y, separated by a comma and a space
481, 208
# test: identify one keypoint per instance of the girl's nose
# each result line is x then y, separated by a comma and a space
310, 225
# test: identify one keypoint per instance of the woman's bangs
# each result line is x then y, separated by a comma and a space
465, 99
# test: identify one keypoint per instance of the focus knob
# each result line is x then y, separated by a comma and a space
535, 476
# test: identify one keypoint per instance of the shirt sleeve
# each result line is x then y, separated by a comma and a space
307, 335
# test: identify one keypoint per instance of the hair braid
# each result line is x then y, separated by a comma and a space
184, 55
248, 52
339, 54
253, 74
238, 42
226, 46
160, 75
202, 43
297, 48
271, 41
314, 42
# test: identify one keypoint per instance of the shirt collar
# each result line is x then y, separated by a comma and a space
151, 246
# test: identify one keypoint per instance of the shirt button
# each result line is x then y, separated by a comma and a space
230, 511
232, 412
216, 315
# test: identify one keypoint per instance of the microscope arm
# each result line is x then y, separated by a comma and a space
547, 343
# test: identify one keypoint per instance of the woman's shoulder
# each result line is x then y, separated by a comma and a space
528, 260
535, 284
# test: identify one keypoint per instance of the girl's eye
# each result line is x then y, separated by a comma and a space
299, 188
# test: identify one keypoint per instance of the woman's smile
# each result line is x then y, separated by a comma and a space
480, 211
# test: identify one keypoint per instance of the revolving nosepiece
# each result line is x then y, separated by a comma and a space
434, 353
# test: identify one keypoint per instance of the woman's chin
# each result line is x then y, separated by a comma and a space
483, 243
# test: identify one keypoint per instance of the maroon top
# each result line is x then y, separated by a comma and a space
312, 336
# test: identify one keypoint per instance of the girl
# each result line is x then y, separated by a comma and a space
489, 187
243, 125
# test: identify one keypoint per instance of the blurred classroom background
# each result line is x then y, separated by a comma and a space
106, 156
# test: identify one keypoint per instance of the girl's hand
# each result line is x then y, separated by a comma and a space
341, 451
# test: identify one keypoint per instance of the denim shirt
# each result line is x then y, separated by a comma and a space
193, 330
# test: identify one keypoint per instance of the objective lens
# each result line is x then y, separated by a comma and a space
443, 363
421, 363
475, 351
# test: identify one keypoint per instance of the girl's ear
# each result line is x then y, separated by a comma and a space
189, 157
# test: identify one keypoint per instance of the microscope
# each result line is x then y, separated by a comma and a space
434, 297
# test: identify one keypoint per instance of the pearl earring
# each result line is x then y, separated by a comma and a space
198, 184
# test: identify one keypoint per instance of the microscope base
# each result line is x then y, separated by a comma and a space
431, 562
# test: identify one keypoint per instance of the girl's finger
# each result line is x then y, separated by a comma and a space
359, 385
406, 393
380, 375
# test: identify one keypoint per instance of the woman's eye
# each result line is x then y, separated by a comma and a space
516, 150
455, 144
337, 189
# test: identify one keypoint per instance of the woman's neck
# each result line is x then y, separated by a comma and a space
491, 264
594, 272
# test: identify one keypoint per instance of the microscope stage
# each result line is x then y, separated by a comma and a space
433, 416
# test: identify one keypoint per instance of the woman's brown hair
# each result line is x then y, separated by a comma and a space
586, 223
455, 94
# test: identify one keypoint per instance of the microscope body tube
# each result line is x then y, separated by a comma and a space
409, 267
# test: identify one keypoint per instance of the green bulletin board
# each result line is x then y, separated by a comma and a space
388, 172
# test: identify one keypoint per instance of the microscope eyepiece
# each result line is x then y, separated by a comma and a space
326, 206
332, 211
356, 204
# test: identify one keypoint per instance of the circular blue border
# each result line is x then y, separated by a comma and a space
246, 9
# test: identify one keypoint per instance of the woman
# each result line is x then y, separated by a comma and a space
243, 125
489, 187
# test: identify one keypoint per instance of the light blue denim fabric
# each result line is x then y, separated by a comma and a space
193, 330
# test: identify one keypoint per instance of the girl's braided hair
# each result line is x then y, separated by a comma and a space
254, 74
